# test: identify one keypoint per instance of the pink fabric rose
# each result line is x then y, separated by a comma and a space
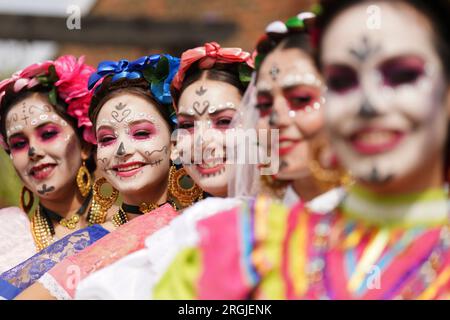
73, 77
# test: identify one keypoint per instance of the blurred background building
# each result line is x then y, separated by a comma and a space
32, 31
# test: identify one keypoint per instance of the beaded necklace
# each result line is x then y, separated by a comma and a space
42, 223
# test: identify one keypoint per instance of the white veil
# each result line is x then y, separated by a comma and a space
243, 178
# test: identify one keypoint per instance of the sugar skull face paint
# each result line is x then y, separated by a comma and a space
206, 109
385, 104
45, 150
133, 144
289, 98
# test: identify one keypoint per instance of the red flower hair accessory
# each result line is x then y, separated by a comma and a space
68, 78
207, 56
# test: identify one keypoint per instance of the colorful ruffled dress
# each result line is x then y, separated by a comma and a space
368, 247
135, 276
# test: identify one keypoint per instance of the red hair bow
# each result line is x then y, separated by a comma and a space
207, 56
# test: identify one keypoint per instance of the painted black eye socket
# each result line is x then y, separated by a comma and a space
141, 133
402, 70
263, 106
223, 122
106, 139
343, 81
264, 109
301, 100
401, 76
19, 145
186, 125
49, 134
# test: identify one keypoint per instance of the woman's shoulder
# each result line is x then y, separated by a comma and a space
16, 239
13, 212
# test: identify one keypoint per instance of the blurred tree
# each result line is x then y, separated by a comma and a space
10, 184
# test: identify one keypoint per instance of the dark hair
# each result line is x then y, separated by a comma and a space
10, 98
225, 72
292, 40
297, 35
109, 89
437, 12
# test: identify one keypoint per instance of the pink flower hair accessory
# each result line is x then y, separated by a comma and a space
207, 56
68, 78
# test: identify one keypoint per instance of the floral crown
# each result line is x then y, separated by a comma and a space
67, 78
279, 30
210, 54
158, 70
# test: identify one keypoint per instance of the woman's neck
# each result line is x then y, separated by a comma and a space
151, 197
307, 188
67, 202
156, 195
425, 208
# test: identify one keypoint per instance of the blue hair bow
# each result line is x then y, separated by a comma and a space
158, 70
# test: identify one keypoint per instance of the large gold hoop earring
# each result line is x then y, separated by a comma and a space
327, 178
273, 187
84, 180
26, 205
100, 203
185, 196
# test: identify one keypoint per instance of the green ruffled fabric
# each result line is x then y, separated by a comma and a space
180, 280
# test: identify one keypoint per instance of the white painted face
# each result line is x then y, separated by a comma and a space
45, 149
289, 98
205, 111
386, 91
133, 144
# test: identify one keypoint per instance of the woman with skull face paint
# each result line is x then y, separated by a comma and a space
45, 129
387, 110
131, 110
290, 99
207, 93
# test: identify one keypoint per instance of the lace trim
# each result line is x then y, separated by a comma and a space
26, 273
54, 288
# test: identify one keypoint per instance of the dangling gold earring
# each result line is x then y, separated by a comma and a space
185, 196
327, 178
101, 204
84, 180
26, 205
272, 186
